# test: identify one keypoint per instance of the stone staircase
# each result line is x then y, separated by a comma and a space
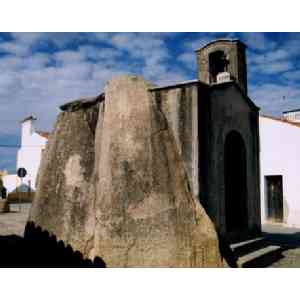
256, 253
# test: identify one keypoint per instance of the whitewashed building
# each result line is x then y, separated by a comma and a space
280, 168
29, 155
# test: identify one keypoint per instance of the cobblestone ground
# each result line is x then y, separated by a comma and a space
13, 223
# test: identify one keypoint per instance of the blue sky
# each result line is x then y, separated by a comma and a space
40, 71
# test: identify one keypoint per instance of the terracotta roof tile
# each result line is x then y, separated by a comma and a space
44, 134
281, 120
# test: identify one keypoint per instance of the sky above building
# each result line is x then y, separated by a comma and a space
40, 71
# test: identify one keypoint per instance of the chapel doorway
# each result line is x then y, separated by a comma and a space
274, 198
235, 183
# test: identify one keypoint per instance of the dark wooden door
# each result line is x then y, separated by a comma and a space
275, 198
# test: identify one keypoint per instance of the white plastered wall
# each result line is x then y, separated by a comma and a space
28, 157
30, 153
280, 155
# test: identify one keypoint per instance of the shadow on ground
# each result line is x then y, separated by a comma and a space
286, 242
40, 249
266, 250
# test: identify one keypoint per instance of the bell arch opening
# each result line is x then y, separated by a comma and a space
235, 171
218, 63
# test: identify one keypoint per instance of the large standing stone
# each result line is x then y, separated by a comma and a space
64, 200
146, 215
119, 190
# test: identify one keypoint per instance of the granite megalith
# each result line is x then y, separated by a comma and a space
113, 185
64, 200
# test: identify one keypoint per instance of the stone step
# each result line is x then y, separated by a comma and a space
245, 247
260, 258
243, 243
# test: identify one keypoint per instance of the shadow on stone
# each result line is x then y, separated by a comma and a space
227, 253
40, 249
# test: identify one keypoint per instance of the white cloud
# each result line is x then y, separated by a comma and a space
96, 53
270, 62
79, 65
268, 57
102, 36
273, 68
150, 53
14, 48
39, 82
292, 46
188, 59
292, 75
137, 43
273, 99
68, 57
198, 43
28, 38
257, 41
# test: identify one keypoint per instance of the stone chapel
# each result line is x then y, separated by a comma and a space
147, 176
216, 126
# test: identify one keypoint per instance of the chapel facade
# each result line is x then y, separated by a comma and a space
216, 128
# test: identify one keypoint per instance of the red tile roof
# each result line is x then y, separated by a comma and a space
283, 120
44, 134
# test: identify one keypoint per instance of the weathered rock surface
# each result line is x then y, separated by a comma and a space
64, 202
118, 190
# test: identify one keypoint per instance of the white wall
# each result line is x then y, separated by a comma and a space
30, 153
280, 155
10, 182
28, 157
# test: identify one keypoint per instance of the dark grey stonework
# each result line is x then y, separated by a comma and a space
179, 105
227, 109
201, 117
234, 50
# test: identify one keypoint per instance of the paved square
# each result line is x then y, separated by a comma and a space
13, 223
12, 227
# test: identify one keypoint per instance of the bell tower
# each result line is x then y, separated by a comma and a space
223, 60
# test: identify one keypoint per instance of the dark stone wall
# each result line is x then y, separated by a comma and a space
235, 51
200, 118
179, 105
227, 109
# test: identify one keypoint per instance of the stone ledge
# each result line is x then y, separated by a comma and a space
81, 103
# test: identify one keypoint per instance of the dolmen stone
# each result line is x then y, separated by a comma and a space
113, 186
